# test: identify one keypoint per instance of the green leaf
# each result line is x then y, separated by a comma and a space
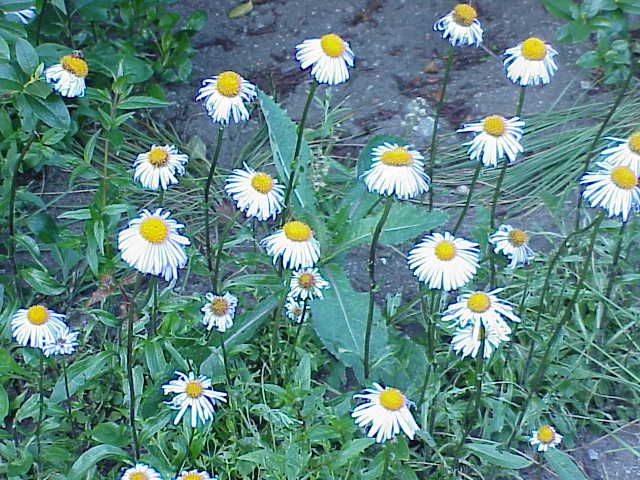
241, 9
80, 374
137, 102
4, 404
5, 53
89, 459
248, 324
491, 454
41, 281
196, 21
563, 465
26, 56
352, 450
340, 321
51, 110
559, 8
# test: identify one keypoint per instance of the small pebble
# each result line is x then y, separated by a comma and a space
593, 455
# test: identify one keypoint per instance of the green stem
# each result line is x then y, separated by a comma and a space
294, 344
387, 459
39, 468
372, 282
543, 293
520, 104
467, 203
293, 168
69, 25
66, 390
219, 249
613, 275
132, 392
153, 293
225, 359
429, 326
436, 121
567, 314
207, 188
591, 153
39, 21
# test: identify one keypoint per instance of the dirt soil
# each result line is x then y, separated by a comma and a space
393, 89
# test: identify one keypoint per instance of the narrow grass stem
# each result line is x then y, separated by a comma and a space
67, 6
613, 275
566, 316
429, 326
591, 153
293, 168
39, 468
467, 203
372, 282
545, 289
207, 190
433, 151
520, 103
153, 293
39, 21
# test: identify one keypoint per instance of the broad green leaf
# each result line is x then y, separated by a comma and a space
26, 56
51, 110
491, 454
340, 321
137, 102
80, 374
247, 324
90, 459
41, 281
4, 404
352, 450
563, 465
5, 53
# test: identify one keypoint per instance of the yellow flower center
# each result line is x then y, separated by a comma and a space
464, 14
624, 178
192, 476
37, 315
228, 84
494, 125
445, 251
297, 311
262, 182
75, 64
518, 237
154, 230
193, 389
546, 434
392, 399
533, 49
158, 157
478, 302
397, 157
634, 142
297, 231
306, 280
138, 476
219, 306
332, 45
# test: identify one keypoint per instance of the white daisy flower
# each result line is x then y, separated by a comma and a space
614, 188
68, 76
294, 309
152, 244
443, 261
531, 62
545, 438
467, 340
296, 245
195, 475
157, 168
513, 243
194, 393
496, 137
329, 56
386, 412
36, 326
482, 308
307, 283
24, 16
257, 194
225, 95
219, 311
626, 152
396, 170
140, 471
460, 26
65, 343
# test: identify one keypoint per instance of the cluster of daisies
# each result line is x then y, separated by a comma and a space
479, 320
